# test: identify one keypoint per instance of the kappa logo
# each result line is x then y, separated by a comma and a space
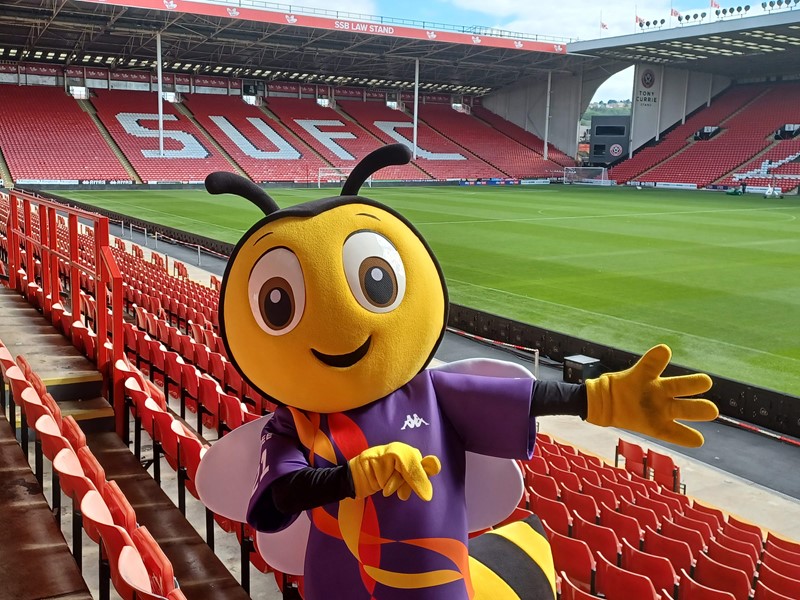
414, 421
290, 19
518, 44
558, 48
476, 39
170, 5
431, 35
232, 12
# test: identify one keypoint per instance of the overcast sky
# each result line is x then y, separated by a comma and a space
574, 19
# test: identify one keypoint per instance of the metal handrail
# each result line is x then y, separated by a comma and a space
104, 270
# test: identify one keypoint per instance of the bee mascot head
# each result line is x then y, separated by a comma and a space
332, 304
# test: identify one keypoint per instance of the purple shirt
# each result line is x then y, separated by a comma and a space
439, 413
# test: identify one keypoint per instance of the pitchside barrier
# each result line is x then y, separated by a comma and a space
760, 407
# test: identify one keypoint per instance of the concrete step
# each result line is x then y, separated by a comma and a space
73, 380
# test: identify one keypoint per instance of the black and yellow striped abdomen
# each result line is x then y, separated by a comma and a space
513, 562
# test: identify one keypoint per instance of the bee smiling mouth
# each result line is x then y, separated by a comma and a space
341, 361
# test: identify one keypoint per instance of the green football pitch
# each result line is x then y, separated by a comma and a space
716, 277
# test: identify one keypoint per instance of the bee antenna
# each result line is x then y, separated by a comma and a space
223, 182
393, 154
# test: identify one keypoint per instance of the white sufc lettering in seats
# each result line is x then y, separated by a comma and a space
192, 148
326, 137
284, 151
390, 128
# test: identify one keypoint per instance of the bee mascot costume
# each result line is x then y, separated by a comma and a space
334, 308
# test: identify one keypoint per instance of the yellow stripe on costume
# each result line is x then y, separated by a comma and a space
513, 562
488, 584
311, 437
533, 543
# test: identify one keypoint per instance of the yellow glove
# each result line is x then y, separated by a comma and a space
640, 400
395, 467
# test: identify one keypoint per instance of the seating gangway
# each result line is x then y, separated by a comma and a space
37, 562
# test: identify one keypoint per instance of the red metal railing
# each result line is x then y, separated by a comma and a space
25, 243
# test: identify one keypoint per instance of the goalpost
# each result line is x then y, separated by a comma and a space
335, 175
586, 175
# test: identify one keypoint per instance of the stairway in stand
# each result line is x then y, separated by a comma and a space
74, 382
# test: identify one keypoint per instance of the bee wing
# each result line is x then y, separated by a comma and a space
225, 481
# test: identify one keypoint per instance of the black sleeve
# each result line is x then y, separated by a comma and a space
558, 398
308, 488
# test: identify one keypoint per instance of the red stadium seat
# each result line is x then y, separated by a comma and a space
552, 511
159, 568
121, 510
644, 516
634, 456
762, 592
624, 526
675, 501
731, 558
581, 504
692, 537
618, 584
677, 552
755, 540
661, 509
546, 486
621, 491
744, 526
782, 543
585, 474
739, 546
656, 568
780, 552
570, 591
574, 557
785, 568
690, 589
601, 494
565, 479
715, 512
711, 573
599, 538
703, 528
778, 582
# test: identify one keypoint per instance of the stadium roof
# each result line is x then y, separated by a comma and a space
312, 46
740, 47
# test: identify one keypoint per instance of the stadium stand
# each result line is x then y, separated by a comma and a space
337, 139
722, 107
447, 160
526, 138
263, 147
46, 136
744, 134
759, 171
483, 140
131, 119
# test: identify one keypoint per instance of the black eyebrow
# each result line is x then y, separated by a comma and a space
262, 237
368, 215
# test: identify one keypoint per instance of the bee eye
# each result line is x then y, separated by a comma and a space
277, 291
374, 271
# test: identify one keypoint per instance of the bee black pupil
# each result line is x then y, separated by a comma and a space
278, 307
378, 285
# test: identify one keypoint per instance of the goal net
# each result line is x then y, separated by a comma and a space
586, 175
335, 175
